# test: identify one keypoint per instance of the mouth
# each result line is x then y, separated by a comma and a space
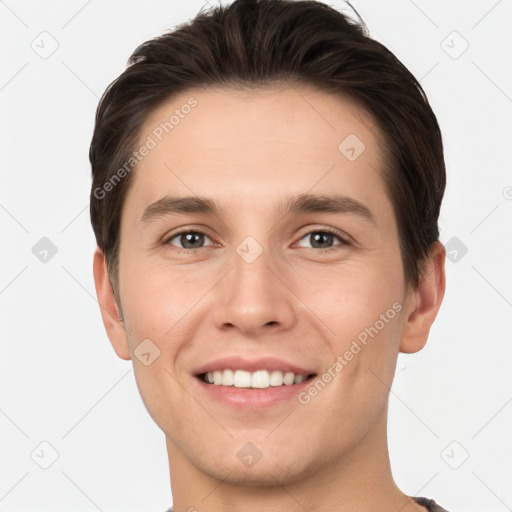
252, 384
260, 379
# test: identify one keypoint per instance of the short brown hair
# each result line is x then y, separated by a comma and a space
253, 44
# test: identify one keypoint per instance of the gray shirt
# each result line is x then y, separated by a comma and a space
430, 504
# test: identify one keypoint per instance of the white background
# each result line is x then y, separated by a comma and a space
61, 381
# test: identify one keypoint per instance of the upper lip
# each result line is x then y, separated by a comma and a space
251, 365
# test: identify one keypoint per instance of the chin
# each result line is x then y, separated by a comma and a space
269, 470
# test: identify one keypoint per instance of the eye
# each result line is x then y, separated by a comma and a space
189, 239
323, 239
319, 239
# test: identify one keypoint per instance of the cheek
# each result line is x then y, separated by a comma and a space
351, 297
157, 298
360, 310
366, 322
156, 305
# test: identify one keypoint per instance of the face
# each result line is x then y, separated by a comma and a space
241, 283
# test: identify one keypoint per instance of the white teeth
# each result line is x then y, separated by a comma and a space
228, 378
260, 379
276, 378
289, 378
299, 378
242, 379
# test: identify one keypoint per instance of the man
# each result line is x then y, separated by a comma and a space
267, 182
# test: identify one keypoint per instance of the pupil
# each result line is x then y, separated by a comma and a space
318, 236
188, 239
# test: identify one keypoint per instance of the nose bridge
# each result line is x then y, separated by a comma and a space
253, 296
250, 276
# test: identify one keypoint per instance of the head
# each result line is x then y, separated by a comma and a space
321, 165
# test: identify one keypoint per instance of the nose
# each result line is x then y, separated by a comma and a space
255, 296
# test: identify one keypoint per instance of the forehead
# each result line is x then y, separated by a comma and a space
256, 142
277, 115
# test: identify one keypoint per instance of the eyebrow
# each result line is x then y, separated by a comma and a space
301, 203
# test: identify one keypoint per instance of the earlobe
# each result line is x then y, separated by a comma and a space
110, 314
424, 302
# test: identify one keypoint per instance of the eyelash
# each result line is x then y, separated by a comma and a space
332, 231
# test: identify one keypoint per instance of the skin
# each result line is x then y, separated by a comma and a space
249, 150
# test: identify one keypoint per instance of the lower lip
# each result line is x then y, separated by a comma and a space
252, 398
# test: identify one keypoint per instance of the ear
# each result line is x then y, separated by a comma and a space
423, 302
112, 320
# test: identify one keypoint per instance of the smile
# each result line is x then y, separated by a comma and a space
260, 379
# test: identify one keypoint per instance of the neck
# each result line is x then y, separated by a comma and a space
359, 480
